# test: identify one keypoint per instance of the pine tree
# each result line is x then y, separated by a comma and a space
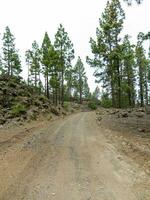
33, 59
28, 62
141, 63
1, 66
69, 78
54, 76
66, 54
96, 95
47, 60
11, 60
128, 75
106, 50
147, 81
79, 77
147, 37
86, 89
45, 49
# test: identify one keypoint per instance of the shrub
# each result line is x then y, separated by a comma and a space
106, 103
66, 106
18, 109
49, 117
92, 105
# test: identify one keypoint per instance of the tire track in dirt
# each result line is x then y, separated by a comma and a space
70, 159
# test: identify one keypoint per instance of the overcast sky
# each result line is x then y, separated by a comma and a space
29, 19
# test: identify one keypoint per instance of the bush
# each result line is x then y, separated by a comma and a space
92, 105
42, 98
66, 106
18, 109
49, 117
106, 103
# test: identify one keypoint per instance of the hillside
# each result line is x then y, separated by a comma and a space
20, 102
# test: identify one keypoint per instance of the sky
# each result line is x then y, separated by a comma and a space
30, 19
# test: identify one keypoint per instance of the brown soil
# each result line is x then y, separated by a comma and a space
70, 159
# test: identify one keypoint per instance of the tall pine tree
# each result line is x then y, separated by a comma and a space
79, 77
33, 58
64, 47
11, 60
141, 63
47, 60
106, 50
129, 73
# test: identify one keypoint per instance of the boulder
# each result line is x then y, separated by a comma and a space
99, 118
113, 112
9, 115
139, 114
129, 110
64, 113
31, 115
141, 110
124, 114
141, 130
2, 120
55, 110
45, 105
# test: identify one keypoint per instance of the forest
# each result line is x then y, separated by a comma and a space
62, 136
51, 62
122, 68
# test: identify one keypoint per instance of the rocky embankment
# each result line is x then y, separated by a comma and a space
130, 131
20, 102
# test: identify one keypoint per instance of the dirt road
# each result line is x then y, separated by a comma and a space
70, 159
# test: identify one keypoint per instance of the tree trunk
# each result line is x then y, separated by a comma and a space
129, 88
112, 91
35, 76
146, 92
119, 84
47, 86
141, 87
62, 88
56, 97
28, 73
80, 94
111, 76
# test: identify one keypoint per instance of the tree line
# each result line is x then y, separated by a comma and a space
122, 67
50, 68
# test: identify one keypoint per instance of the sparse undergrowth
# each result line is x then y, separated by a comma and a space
130, 132
18, 110
92, 105
20, 102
